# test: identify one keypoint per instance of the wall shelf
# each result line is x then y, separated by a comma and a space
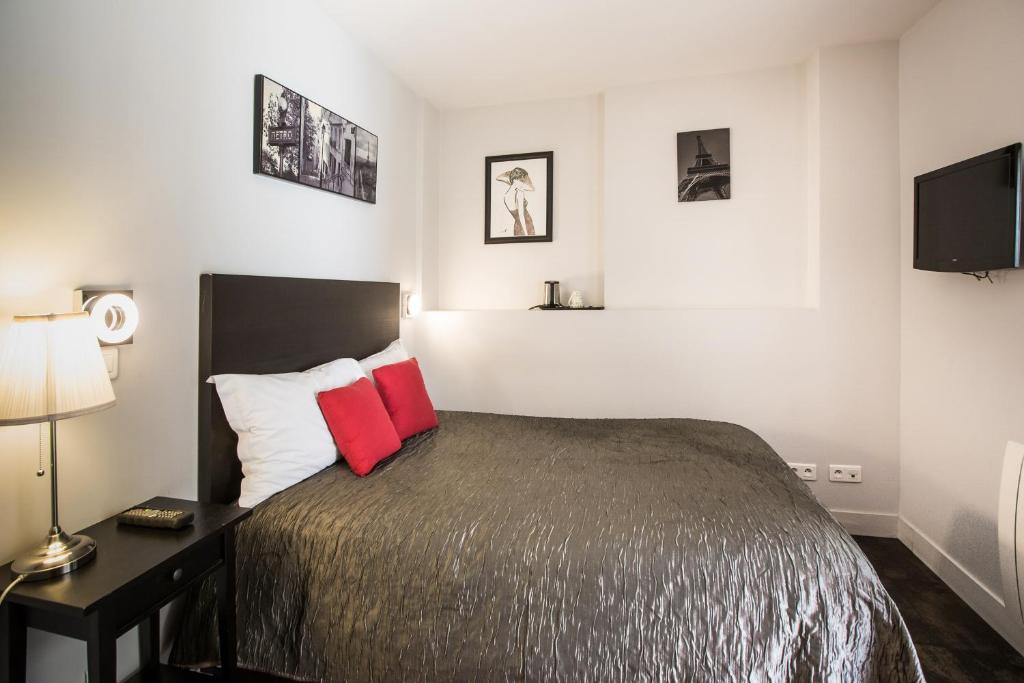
566, 308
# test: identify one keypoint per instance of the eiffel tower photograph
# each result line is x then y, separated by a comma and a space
703, 161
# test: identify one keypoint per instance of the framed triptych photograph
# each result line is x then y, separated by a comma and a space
298, 140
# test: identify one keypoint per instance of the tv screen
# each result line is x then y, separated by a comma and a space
967, 216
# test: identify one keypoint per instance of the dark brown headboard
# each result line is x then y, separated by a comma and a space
258, 325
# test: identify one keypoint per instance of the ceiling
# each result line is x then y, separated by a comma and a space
461, 53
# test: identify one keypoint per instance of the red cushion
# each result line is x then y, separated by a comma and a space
405, 396
359, 424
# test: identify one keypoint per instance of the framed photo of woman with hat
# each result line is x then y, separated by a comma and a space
518, 191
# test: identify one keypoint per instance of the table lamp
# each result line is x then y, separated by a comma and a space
51, 368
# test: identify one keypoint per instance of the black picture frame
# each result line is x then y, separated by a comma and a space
343, 162
703, 165
549, 185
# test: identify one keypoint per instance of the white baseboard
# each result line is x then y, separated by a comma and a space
884, 524
981, 599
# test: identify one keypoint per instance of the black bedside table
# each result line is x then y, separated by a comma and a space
136, 572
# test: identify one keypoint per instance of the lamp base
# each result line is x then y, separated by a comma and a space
62, 553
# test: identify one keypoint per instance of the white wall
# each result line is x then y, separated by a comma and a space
820, 384
127, 147
615, 163
472, 275
747, 251
961, 94
426, 242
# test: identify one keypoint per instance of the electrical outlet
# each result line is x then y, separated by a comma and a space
845, 473
806, 471
110, 358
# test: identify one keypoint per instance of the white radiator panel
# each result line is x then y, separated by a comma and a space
1011, 531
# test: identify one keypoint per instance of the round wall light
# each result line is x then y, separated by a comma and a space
114, 315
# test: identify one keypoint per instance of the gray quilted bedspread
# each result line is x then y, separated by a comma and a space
518, 548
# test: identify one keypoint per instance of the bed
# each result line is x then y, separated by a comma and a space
502, 547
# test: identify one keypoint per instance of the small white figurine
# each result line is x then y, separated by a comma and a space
576, 299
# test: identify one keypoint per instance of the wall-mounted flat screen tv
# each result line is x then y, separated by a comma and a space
967, 217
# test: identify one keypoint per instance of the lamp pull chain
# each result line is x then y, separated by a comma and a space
41, 472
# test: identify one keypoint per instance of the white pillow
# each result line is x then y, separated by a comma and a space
282, 436
394, 353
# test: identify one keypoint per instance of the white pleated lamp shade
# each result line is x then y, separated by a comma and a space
51, 368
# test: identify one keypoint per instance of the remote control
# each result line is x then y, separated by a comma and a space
156, 518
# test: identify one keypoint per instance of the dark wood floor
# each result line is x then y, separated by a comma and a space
953, 643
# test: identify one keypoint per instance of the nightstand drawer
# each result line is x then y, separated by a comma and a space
169, 579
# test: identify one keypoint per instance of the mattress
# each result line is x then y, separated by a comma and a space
502, 547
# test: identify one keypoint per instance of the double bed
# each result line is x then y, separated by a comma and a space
500, 547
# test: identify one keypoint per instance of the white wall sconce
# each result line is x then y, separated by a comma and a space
114, 318
114, 315
412, 304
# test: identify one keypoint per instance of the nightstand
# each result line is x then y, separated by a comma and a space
136, 572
